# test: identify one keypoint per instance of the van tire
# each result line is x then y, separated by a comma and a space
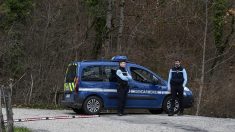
159, 111
92, 105
78, 111
166, 105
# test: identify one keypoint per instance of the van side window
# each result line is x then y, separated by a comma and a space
141, 75
92, 73
71, 73
109, 73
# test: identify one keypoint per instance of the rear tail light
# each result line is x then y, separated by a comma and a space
76, 85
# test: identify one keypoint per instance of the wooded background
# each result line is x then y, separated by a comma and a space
39, 38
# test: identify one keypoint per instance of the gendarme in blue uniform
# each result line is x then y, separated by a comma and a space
122, 78
176, 83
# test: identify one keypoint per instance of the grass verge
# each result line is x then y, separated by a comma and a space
21, 129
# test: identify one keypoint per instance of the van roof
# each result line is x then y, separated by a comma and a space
99, 61
116, 58
96, 61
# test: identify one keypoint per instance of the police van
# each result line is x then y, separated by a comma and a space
90, 86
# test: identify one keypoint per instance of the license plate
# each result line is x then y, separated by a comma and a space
67, 96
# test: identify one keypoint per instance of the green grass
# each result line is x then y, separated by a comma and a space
21, 129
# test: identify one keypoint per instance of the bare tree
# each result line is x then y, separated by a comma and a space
109, 27
1, 115
203, 60
9, 111
31, 89
121, 25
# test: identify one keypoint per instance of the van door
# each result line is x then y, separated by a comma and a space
144, 91
100, 80
110, 85
91, 79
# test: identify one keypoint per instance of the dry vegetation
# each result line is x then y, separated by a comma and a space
36, 48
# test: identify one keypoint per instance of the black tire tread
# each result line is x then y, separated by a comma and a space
165, 105
85, 108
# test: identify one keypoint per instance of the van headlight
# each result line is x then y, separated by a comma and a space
186, 89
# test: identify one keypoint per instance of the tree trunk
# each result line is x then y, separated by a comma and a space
203, 62
31, 89
56, 96
9, 111
9, 107
1, 115
109, 26
121, 20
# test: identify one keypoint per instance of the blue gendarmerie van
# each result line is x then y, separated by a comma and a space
91, 86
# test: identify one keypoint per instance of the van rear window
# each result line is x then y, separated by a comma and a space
92, 73
99, 73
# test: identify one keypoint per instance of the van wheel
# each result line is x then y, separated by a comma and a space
78, 111
167, 105
156, 111
92, 105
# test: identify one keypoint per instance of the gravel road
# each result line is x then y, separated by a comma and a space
128, 123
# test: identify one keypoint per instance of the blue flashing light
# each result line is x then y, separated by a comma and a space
119, 58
